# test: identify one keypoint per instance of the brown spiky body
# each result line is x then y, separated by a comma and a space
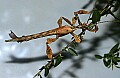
60, 31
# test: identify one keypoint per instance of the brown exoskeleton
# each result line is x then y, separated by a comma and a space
59, 32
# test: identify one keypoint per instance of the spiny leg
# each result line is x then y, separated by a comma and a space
74, 19
80, 12
67, 20
63, 18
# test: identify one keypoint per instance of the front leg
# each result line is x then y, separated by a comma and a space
63, 18
49, 50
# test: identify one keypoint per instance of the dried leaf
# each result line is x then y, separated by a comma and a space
49, 52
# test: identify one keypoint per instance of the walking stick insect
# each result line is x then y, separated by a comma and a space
59, 32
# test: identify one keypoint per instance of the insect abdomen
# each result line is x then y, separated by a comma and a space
33, 36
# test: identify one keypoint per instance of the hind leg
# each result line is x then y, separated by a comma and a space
48, 49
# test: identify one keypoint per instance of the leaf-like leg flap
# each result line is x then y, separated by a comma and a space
77, 38
68, 21
60, 22
49, 51
50, 40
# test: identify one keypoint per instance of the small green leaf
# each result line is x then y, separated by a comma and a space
46, 71
117, 54
107, 55
114, 48
118, 59
42, 68
105, 63
109, 62
117, 66
96, 16
98, 56
52, 63
72, 51
40, 76
58, 61
114, 60
75, 44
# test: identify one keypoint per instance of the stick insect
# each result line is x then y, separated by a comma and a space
59, 32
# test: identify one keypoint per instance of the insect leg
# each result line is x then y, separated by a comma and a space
48, 49
59, 22
67, 20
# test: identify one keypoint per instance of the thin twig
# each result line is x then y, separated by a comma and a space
110, 21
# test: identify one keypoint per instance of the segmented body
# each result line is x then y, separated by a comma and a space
63, 30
